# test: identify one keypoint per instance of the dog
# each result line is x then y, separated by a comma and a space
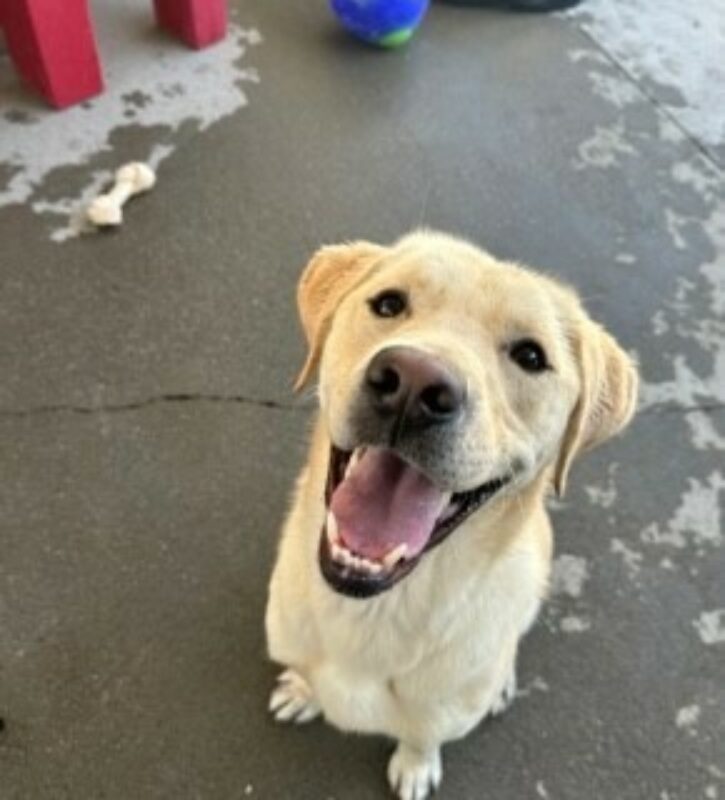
455, 390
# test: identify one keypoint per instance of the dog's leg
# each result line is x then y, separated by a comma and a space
503, 699
415, 773
293, 699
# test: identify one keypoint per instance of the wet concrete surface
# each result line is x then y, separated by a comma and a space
149, 439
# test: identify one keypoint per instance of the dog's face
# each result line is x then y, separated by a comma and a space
446, 378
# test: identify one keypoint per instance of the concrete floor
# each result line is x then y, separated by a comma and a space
148, 438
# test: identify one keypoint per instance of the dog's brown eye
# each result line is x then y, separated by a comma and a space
529, 355
389, 303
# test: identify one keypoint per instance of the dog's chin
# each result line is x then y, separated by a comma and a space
383, 516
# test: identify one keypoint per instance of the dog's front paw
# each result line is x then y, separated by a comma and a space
292, 699
507, 695
414, 775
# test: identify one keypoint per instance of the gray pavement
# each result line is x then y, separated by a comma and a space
148, 436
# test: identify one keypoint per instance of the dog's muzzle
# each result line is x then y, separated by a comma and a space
385, 508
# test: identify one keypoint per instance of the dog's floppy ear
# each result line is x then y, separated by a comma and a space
332, 273
607, 398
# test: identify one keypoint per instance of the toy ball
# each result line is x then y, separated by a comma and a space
386, 23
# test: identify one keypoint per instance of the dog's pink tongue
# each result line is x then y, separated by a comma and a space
384, 502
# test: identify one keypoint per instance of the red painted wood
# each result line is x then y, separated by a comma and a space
52, 45
199, 23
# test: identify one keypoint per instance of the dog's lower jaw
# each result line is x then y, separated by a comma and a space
428, 515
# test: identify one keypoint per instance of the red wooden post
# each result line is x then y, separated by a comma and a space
52, 45
197, 22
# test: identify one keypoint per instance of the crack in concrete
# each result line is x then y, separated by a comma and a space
136, 405
259, 402
671, 408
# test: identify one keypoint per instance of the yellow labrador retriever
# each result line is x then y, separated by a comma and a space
454, 391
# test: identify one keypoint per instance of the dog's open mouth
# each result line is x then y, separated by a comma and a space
383, 514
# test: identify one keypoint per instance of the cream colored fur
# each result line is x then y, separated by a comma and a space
426, 661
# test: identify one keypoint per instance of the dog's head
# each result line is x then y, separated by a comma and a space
446, 378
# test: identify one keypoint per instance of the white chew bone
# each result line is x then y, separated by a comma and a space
131, 179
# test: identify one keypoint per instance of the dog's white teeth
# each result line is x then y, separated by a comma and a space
371, 567
331, 528
354, 458
449, 509
339, 554
396, 555
343, 556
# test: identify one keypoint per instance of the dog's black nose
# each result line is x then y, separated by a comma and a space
403, 380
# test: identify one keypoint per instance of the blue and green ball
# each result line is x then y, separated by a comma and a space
385, 23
